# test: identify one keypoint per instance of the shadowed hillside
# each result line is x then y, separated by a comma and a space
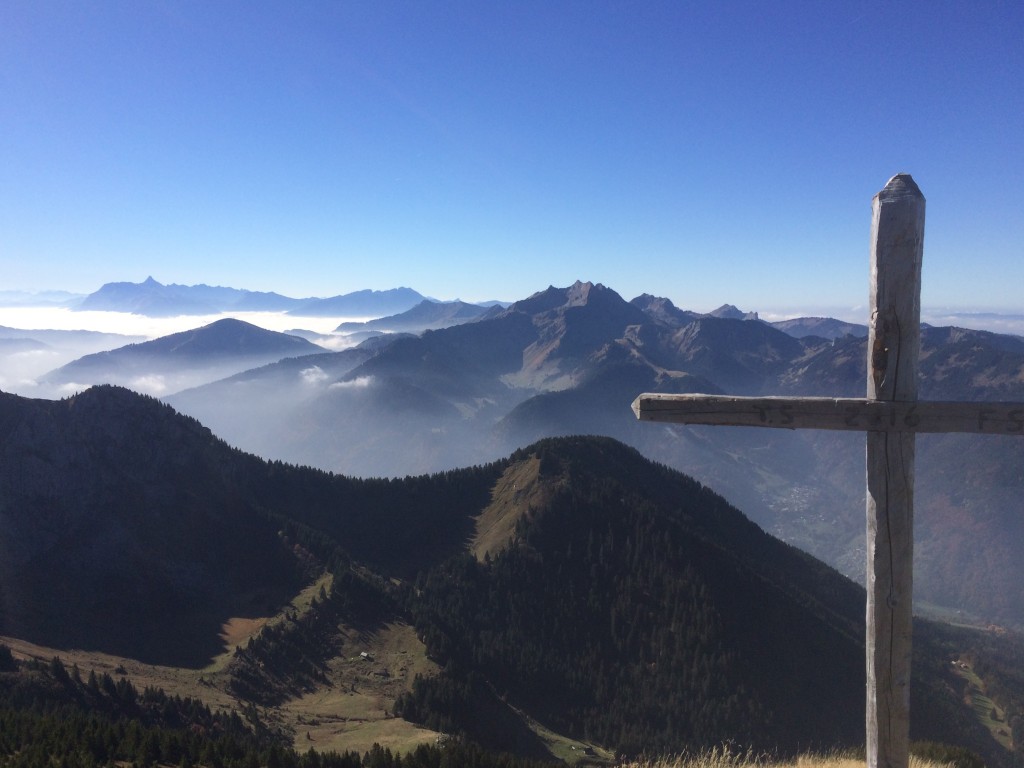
630, 606
128, 528
574, 588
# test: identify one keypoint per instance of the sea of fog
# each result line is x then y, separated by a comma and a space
20, 369
980, 320
61, 318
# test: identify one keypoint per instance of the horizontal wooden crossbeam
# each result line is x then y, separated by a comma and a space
854, 414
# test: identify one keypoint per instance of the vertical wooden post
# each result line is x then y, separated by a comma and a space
897, 245
891, 415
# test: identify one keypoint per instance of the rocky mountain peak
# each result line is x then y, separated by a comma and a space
731, 312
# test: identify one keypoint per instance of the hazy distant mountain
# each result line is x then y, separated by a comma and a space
825, 327
184, 359
26, 354
997, 322
963, 482
274, 392
429, 403
365, 303
154, 299
741, 356
16, 345
425, 315
57, 338
730, 312
574, 583
39, 298
452, 396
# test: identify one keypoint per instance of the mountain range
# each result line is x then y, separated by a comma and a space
427, 315
154, 299
571, 360
572, 585
172, 362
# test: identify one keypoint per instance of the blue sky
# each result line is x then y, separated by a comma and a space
707, 152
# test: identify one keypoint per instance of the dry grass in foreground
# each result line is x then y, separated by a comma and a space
726, 758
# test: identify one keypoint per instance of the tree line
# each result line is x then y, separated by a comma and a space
54, 717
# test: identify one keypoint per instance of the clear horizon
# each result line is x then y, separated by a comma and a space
711, 154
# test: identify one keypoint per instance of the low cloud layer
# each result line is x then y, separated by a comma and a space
359, 383
981, 321
314, 375
152, 384
61, 318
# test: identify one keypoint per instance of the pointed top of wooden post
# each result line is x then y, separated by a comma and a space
897, 243
900, 186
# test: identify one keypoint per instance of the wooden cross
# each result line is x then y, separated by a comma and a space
890, 415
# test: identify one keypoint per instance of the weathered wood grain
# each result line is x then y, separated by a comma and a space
894, 343
833, 413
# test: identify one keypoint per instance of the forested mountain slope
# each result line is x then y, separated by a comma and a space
574, 584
